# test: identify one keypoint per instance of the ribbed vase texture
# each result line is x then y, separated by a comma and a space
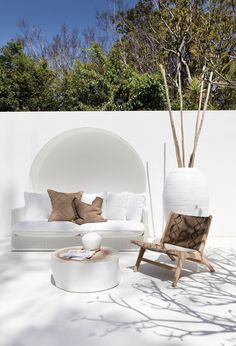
186, 192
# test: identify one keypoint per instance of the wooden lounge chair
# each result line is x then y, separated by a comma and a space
184, 237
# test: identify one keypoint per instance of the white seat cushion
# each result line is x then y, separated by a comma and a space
66, 228
114, 227
45, 228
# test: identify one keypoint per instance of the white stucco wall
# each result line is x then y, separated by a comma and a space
22, 135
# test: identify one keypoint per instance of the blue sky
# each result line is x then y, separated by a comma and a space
49, 15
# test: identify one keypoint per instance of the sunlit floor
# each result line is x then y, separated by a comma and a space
143, 310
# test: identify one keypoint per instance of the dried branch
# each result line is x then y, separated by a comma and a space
201, 122
176, 143
198, 115
205, 104
181, 117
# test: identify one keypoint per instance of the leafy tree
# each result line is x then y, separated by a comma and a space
26, 84
107, 83
70, 72
61, 51
83, 89
183, 35
132, 90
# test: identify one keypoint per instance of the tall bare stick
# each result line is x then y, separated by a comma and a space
198, 115
181, 117
176, 143
202, 120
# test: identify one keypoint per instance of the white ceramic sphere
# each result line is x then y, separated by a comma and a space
91, 241
186, 192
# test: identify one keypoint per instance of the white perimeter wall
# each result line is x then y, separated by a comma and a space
22, 135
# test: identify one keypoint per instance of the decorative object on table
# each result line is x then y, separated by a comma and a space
184, 237
78, 255
91, 241
185, 189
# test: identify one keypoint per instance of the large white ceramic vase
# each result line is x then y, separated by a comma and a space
186, 192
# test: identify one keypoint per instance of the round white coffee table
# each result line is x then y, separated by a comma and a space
98, 273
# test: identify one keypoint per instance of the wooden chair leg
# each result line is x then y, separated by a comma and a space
139, 259
178, 270
171, 257
209, 266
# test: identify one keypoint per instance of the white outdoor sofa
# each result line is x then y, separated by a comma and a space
39, 234
87, 159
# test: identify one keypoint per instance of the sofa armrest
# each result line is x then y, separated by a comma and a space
17, 214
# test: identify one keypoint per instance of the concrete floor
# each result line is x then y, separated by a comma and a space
143, 309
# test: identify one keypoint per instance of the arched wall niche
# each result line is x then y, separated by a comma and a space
88, 159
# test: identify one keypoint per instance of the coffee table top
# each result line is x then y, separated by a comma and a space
104, 254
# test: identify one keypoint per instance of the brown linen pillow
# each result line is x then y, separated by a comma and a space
89, 212
62, 206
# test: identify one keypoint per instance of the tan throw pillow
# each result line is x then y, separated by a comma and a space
89, 212
62, 206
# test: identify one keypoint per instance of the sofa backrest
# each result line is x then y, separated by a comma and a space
88, 159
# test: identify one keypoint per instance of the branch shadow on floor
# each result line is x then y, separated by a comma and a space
203, 304
149, 311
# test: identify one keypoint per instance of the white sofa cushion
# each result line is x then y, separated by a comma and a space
45, 228
117, 206
37, 206
136, 203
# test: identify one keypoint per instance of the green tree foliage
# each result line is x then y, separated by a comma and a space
184, 35
26, 84
83, 89
72, 72
103, 83
107, 83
